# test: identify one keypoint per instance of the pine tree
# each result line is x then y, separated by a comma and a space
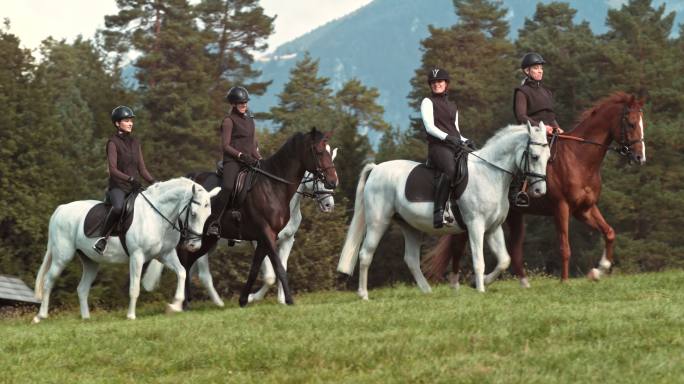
570, 51
479, 58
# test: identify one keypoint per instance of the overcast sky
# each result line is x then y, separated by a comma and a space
34, 20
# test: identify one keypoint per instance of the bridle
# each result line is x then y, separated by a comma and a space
319, 172
623, 148
183, 227
522, 199
318, 193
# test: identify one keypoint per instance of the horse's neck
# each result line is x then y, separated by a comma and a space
504, 153
169, 200
285, 166
594, 129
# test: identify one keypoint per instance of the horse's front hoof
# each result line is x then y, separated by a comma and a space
173, 308
36, 320
243, 302
289, 302
594, 275
524, 283
130, 317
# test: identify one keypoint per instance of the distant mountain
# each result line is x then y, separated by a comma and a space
380, 45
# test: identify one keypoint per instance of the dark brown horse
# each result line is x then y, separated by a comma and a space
266, 210
573, 181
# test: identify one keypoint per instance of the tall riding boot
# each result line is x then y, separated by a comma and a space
442, 183
217, 210
109, 223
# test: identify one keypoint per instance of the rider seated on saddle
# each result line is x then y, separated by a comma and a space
125, 164
440, 118
531, 100
240, 148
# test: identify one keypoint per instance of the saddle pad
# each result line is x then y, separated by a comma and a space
94, 220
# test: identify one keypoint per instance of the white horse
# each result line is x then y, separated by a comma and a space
153, 234
380, 199
310, 186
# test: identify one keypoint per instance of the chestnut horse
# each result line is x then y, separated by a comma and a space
266, 210
574, 185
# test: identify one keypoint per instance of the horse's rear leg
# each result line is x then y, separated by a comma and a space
374, 232
458, 245
269, 278
476, 239
497, 243
171, 261
284, 248
90, 269
412, 256
201, 267
593, 218
516, 226
60, 255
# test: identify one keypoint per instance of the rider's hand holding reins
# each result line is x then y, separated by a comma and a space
135, 184
248, 160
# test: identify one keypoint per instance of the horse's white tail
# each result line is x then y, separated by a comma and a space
40, 278
150, 280
357, 227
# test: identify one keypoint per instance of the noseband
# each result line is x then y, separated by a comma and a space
522, 199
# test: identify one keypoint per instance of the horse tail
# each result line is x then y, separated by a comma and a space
47, 260
152, 276
436, 261
357, 227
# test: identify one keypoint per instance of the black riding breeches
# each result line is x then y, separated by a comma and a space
117, 197
441, 156
231, 168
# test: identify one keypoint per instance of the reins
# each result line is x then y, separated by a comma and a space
182, 228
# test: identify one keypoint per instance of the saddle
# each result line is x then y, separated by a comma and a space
95, 219
421, 181
420, 184
244, 181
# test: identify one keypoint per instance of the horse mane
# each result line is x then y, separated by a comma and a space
503, 132
618, 97
156, 187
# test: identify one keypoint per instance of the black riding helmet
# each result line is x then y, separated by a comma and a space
437, 74
122, 112
237, 95
531, 59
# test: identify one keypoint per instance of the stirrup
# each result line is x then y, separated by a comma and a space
100, 245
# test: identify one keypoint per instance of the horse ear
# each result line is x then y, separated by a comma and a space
334, 153
313, 131
529, 127
214, 192
193, 188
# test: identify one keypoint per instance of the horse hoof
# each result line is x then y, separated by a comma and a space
130, 317
594, 275
171, 308
36, 320
250, 298
243, 302
289, 302
524, 283
219, 303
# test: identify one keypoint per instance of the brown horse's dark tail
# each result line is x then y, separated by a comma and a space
436, 261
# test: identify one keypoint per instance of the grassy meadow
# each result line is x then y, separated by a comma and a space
624, 329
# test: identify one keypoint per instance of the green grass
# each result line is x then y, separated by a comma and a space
625, 329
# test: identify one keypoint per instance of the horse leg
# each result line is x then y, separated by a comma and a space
269, 278
412, 257
374, 232
258, 258
516, 226
135, 270
562, 219
476, 238
171, 261
201, 267
593, 218
60, 256
458, 244
497, 243
280, 272
284, 248
90, 269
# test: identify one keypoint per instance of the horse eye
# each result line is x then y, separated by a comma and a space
535, 157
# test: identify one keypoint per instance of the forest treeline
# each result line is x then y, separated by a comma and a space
55, 123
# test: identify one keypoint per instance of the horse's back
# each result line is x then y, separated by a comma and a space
68, 218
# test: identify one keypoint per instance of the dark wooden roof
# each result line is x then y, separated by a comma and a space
13, 289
